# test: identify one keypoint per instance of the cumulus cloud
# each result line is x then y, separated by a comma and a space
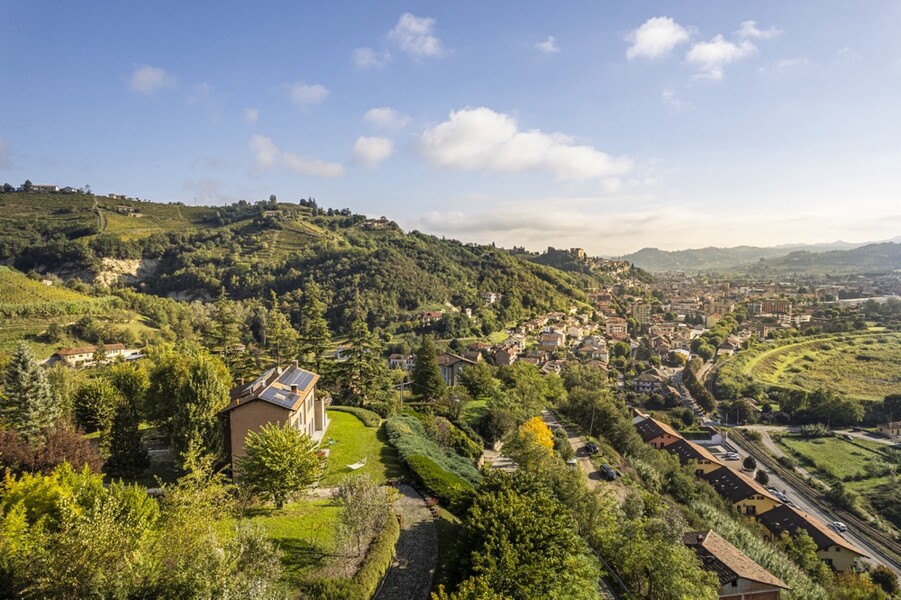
251, 115
548, 46
367, 58
371, 151
147, 79
416, 36
305, 95
710, 58
268, 156
749, 29
5, 155
384, 117
656, 38
482, 139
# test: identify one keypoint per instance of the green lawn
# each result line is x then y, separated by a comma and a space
353, 441
305, 531
474, 412
834, 456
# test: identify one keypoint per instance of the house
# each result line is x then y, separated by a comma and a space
279, 396
84, 356
891, 429
552, 366
506, 355
747, 495
404, 362
688, 452
451, 367
616, 326
739, 576
68, 190
552, 338
431, 316
650, 381
41, 187
489, 297
656, 433
832, 548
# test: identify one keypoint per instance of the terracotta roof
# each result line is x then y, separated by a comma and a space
650, 429
286, 388
687, 451
728, 562
89, 349
787, 518
735, 485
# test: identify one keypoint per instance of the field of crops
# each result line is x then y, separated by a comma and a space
864, 366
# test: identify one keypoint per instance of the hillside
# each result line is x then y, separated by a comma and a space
718, 259
873, 257
250, 250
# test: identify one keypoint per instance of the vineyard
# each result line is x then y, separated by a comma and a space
862, 366
24, 297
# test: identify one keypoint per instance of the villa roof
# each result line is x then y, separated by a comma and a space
286, 388
728, 562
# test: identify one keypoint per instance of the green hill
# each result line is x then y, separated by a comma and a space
250, 250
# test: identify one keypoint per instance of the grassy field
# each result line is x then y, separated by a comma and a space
351, 442
865, 366
16, 288
834, 456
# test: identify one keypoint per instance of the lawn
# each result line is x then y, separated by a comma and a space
305, 531
474, 412
351, 441
833, 456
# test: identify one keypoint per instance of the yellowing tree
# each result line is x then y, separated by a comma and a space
538, 431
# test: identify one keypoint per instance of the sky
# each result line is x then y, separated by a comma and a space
609, 126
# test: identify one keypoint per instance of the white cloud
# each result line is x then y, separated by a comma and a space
482, 139
672, 99
371, 151
251, 115
5, 155
656, 38
305, 95
384, 117
268, 156
749, 29
147, 79
711, 57
548, 46
200, 91
415, 36
367, 58
783, 65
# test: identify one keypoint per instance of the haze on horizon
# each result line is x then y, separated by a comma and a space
609, 127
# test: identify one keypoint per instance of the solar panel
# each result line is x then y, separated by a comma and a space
279, 397
297, 377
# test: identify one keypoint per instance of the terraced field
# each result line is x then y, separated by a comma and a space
864, 366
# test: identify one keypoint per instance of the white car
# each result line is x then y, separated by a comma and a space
839, 526
732, 456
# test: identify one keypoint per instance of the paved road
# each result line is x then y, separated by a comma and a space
411, 571
806, 505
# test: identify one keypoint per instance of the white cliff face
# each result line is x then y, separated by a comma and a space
126, 270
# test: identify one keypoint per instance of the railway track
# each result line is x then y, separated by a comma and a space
885, 545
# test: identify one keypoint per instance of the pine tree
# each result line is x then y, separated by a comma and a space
364, 375
427, 379
225, 332
281, 337
314, 332
27, 403
127, 455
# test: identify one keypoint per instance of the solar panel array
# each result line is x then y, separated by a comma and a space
279, 397
297, 377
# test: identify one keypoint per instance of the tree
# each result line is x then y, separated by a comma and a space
279, 461
536, 430
127, 455
427, 380
314, 332
479, 380
94, 405
27, 402
365, 509
762, 477
27, 186
749, 463
54, 446
621, 349
225, 331
100, 353
364, 375
202, 394
885, 578
281, 337
803, 551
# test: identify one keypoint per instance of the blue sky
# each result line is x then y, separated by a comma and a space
610, 126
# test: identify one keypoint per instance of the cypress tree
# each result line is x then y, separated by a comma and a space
27, 404
128, 457
427, 379
314, 332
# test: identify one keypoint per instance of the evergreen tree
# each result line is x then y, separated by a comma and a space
201, 395
27, 403
100, 353
225, 332
364, 376
314, 332
127, 455
281, 337
427, 379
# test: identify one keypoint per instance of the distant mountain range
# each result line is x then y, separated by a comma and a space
819, 256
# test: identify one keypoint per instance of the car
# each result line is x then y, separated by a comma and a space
592, 448
848, 437
732, 456
607, 472
839, 526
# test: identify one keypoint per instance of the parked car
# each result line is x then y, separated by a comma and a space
839, 526
848, 437
607, 472
732, 456
591, 448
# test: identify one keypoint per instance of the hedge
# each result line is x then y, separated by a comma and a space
448, 487
363, 585
407, 434
369, 418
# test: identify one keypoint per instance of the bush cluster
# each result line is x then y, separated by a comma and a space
369, 418
407, 434
448, 487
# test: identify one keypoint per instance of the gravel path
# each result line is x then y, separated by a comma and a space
410, 575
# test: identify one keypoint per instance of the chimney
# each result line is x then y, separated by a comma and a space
294, 388
296, 364
240, 381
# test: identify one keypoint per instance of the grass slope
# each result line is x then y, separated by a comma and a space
353, 441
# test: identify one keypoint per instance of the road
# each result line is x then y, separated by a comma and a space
803, 503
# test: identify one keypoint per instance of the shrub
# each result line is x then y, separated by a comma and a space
749, 463
407, 434
447, 486
369, 418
